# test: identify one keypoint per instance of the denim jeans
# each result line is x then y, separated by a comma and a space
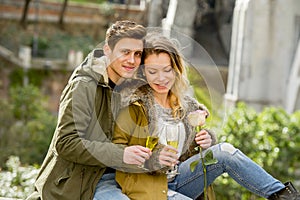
108, 189
232, 161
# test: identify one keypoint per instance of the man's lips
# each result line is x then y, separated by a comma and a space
128, 68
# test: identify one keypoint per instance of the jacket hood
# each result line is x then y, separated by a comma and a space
94, 66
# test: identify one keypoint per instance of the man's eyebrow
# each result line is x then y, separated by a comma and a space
132, 50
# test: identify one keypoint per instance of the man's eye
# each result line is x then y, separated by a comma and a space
139, 54
126, 52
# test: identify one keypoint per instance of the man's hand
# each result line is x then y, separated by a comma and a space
168, 156
203, 139
136, 155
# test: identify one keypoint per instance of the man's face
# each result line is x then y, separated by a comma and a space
125, 59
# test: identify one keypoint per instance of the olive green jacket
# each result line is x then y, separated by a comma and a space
81, 147
134, 123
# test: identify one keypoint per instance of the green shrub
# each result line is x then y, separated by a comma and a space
271, 138
28, 127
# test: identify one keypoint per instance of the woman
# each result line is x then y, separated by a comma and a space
162, 101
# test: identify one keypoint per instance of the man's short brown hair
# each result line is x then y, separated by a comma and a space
124, 29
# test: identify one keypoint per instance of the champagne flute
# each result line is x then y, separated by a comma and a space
150, 144
172, 137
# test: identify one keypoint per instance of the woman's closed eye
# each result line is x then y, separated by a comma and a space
168, 69
152, 71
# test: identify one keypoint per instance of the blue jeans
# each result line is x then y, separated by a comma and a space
108, 189
232, 161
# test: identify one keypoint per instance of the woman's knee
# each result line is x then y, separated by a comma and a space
224, 151
228, 148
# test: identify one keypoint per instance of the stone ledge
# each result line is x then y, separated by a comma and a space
7, 198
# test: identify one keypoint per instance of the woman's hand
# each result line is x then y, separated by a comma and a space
203, 139
136, 155
168, 156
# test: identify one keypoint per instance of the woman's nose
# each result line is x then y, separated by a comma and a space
161, 76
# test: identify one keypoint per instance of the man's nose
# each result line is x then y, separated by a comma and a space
131, 58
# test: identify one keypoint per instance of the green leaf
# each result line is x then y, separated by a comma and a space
209, 158
193, 165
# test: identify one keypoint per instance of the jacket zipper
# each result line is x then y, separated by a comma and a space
81, 177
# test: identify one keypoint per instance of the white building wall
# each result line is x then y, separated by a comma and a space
262, 51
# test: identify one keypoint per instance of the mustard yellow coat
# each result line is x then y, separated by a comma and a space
132, 128
138, 186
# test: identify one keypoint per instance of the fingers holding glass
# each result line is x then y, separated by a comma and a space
151, 142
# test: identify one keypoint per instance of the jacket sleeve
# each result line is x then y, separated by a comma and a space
79, 137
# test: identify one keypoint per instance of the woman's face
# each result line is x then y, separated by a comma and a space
159, 72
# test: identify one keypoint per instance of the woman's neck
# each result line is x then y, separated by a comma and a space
162, 100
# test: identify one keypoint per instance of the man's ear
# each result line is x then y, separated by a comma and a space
106, 50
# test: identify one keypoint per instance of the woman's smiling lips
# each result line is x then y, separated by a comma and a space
161, 86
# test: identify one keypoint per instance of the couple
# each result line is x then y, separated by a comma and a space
82, 159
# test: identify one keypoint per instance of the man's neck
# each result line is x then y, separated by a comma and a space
114, 76
111, 83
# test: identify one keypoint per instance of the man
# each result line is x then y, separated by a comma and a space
81, 155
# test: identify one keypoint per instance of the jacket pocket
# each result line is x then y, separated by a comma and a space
63, 177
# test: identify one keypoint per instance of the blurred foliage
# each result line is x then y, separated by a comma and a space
201, 91
51, 43
61, 43
89, 1
271, 138
35, 76
17, 181
208, 96
27, 126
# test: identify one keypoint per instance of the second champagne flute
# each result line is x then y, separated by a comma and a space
172, 137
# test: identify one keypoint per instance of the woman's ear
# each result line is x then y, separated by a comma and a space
106, 50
